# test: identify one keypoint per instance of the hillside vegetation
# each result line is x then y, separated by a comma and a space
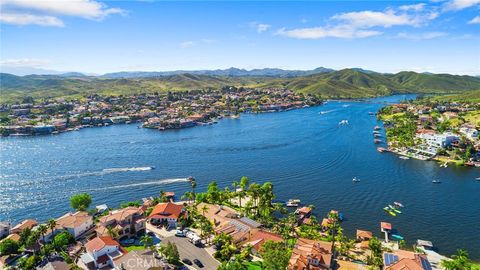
347, 83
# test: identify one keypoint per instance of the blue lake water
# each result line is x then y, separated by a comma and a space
307, 155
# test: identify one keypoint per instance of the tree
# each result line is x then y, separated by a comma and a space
243, 184
146, 240
112, 232
9, 246
193, 184
459, 261
170, 251
42, 229
63, 239
376, 248
275, 255
80, 202
52, 224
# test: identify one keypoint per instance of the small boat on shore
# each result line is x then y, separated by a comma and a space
376, 128
293, 203
377, 141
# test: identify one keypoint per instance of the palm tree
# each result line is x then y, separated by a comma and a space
52, 224
42, 229
204, 209
193, 184
235, 186
112, 232
146, 240
243, 184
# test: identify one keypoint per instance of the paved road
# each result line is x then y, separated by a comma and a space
189, 251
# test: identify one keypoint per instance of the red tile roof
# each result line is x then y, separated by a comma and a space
98, 243
260, 237
167, 210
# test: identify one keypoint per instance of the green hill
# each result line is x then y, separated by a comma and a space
347, 83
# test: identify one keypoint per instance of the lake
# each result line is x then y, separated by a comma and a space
306, 155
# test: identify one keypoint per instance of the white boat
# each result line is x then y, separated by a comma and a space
404, 157
436, 181
478, 178
293, 203
355, 179
343, 122
398, 204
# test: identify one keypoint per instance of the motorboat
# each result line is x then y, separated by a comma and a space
398, 204
355, 179
436, 181
293, 203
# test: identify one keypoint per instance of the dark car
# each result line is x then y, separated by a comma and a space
187, 261
198, 263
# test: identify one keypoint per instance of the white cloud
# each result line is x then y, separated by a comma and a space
475, 20
259, 27
362, 24
421, 36
322, 32
416, 7
26, 19
460, 4
24, 62
48, 13
187, 44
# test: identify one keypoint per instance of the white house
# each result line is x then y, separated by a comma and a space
438, 140
100, 252
469, 132
76, 224
166, 213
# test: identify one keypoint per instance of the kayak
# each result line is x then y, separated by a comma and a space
396, 210
397, 237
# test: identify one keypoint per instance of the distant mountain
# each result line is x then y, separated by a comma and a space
231, 72
345, 83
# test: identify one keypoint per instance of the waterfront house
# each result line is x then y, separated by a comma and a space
402, 259
77, 224
259, 237
100, 252
435, 140
311, 254
469, 132
166, 213
4, 229
28, 223
127, 222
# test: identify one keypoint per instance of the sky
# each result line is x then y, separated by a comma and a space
97, 37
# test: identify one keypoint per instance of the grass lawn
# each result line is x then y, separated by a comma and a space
254, 265
476, 266
131, 248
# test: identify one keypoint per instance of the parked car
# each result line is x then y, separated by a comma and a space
198, 263
179, 233
186, 261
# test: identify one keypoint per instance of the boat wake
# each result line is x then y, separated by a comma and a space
132, 169
325, 112
150, 183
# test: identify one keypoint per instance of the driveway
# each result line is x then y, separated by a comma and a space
189, 251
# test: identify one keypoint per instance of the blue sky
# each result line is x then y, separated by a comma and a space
98, 37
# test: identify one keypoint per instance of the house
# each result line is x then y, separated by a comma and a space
437, 140
55, 265
311, 254
469, 132
75, 223
347, 265
4, 229
239, 229
168, 213
14, 236
100, 252
258, 238
402, 259
28, 223
127, 222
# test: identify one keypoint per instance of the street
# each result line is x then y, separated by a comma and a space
191, 252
